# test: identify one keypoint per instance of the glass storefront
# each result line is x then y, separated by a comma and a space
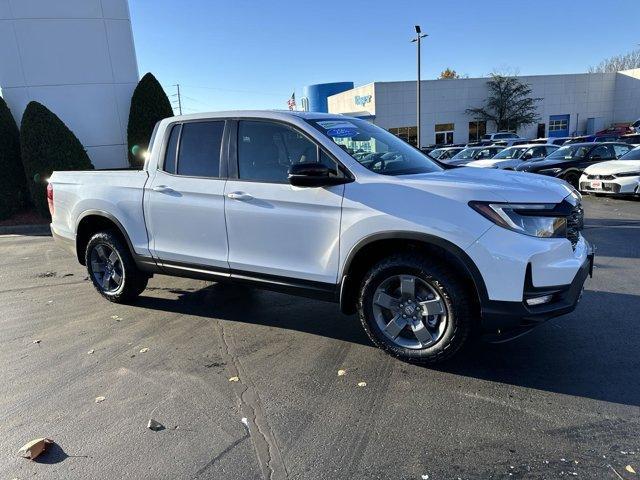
476, 130
408, 134
444, 133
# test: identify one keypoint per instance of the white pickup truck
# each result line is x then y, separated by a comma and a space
338, 209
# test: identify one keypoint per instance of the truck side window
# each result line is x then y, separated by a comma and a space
172, 150
266, 150
199, 151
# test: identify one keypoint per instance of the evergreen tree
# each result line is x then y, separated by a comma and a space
13, 187
149, 105
47, 144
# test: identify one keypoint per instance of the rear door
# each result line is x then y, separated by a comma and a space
184, 201
274, 228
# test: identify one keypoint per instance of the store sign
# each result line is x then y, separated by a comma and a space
362, 100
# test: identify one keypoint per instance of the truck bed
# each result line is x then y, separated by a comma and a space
117, 192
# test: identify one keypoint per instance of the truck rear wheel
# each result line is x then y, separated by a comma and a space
415, 309
112, 270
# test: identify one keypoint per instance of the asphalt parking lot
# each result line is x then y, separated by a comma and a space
561, 401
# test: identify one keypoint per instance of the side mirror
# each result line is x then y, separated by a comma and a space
313, 175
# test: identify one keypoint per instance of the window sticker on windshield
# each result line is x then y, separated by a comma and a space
342, 132
327, 124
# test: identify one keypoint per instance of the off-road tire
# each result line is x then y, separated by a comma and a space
134, 281
452, 290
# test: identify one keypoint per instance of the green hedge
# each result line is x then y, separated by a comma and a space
47, 144
149, 105
13, 187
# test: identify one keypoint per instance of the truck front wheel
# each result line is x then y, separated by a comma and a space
112, 269
415, 308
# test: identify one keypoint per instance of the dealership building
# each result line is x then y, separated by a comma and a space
76, 57
571, 104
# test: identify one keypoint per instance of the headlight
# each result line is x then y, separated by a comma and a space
628, 174
533, 219
550, 171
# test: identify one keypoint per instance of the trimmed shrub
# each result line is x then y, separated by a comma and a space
149, 105
47, 144
13, 187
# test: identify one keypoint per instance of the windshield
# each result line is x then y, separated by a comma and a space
437, 153
568, 152
511, 153
466, 154
375, 148
631, 154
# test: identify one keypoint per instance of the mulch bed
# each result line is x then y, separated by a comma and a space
26, 217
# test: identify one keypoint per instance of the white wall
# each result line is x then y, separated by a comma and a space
627, 96
444, 101
77, 58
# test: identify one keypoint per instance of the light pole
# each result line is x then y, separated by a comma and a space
419, 35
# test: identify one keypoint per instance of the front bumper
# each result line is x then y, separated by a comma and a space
615, 186
502, 321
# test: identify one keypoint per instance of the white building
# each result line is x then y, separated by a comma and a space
571, 104
77, 58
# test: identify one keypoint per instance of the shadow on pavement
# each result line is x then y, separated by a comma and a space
590, 353
53, 454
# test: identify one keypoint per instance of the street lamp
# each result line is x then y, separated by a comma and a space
419, 35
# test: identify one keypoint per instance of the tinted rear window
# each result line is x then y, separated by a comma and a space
200, 144
170, 153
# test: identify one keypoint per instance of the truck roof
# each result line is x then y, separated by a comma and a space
275, 114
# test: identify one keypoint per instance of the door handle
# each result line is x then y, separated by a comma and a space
162, 189
239, 196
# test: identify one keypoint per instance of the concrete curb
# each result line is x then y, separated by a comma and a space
25, 230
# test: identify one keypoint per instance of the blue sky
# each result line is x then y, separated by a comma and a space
237, 54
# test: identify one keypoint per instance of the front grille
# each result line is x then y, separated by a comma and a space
600, 177
575, 223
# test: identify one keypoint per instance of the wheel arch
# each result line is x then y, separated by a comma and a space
375, 247
92, 221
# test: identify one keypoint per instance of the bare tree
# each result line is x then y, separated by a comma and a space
625, 61
508, 105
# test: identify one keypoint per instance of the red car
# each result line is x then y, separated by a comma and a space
617, 130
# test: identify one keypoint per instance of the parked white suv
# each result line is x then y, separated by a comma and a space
424, 255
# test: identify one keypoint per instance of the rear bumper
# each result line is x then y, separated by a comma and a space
67, 243
502, 321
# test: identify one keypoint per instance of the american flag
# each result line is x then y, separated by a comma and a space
292, 101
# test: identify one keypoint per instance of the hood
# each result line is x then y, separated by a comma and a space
466, 184
613, 166
537, 164
489, 162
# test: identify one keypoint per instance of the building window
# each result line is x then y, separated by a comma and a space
555, 125
408, 134
305, 104
444, 133
476, 130
541, 130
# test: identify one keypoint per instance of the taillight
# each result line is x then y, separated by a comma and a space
50, 198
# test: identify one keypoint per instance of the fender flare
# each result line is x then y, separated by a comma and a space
108, 216
457, 252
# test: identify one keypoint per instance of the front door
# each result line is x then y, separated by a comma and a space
184, 201
273, 227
